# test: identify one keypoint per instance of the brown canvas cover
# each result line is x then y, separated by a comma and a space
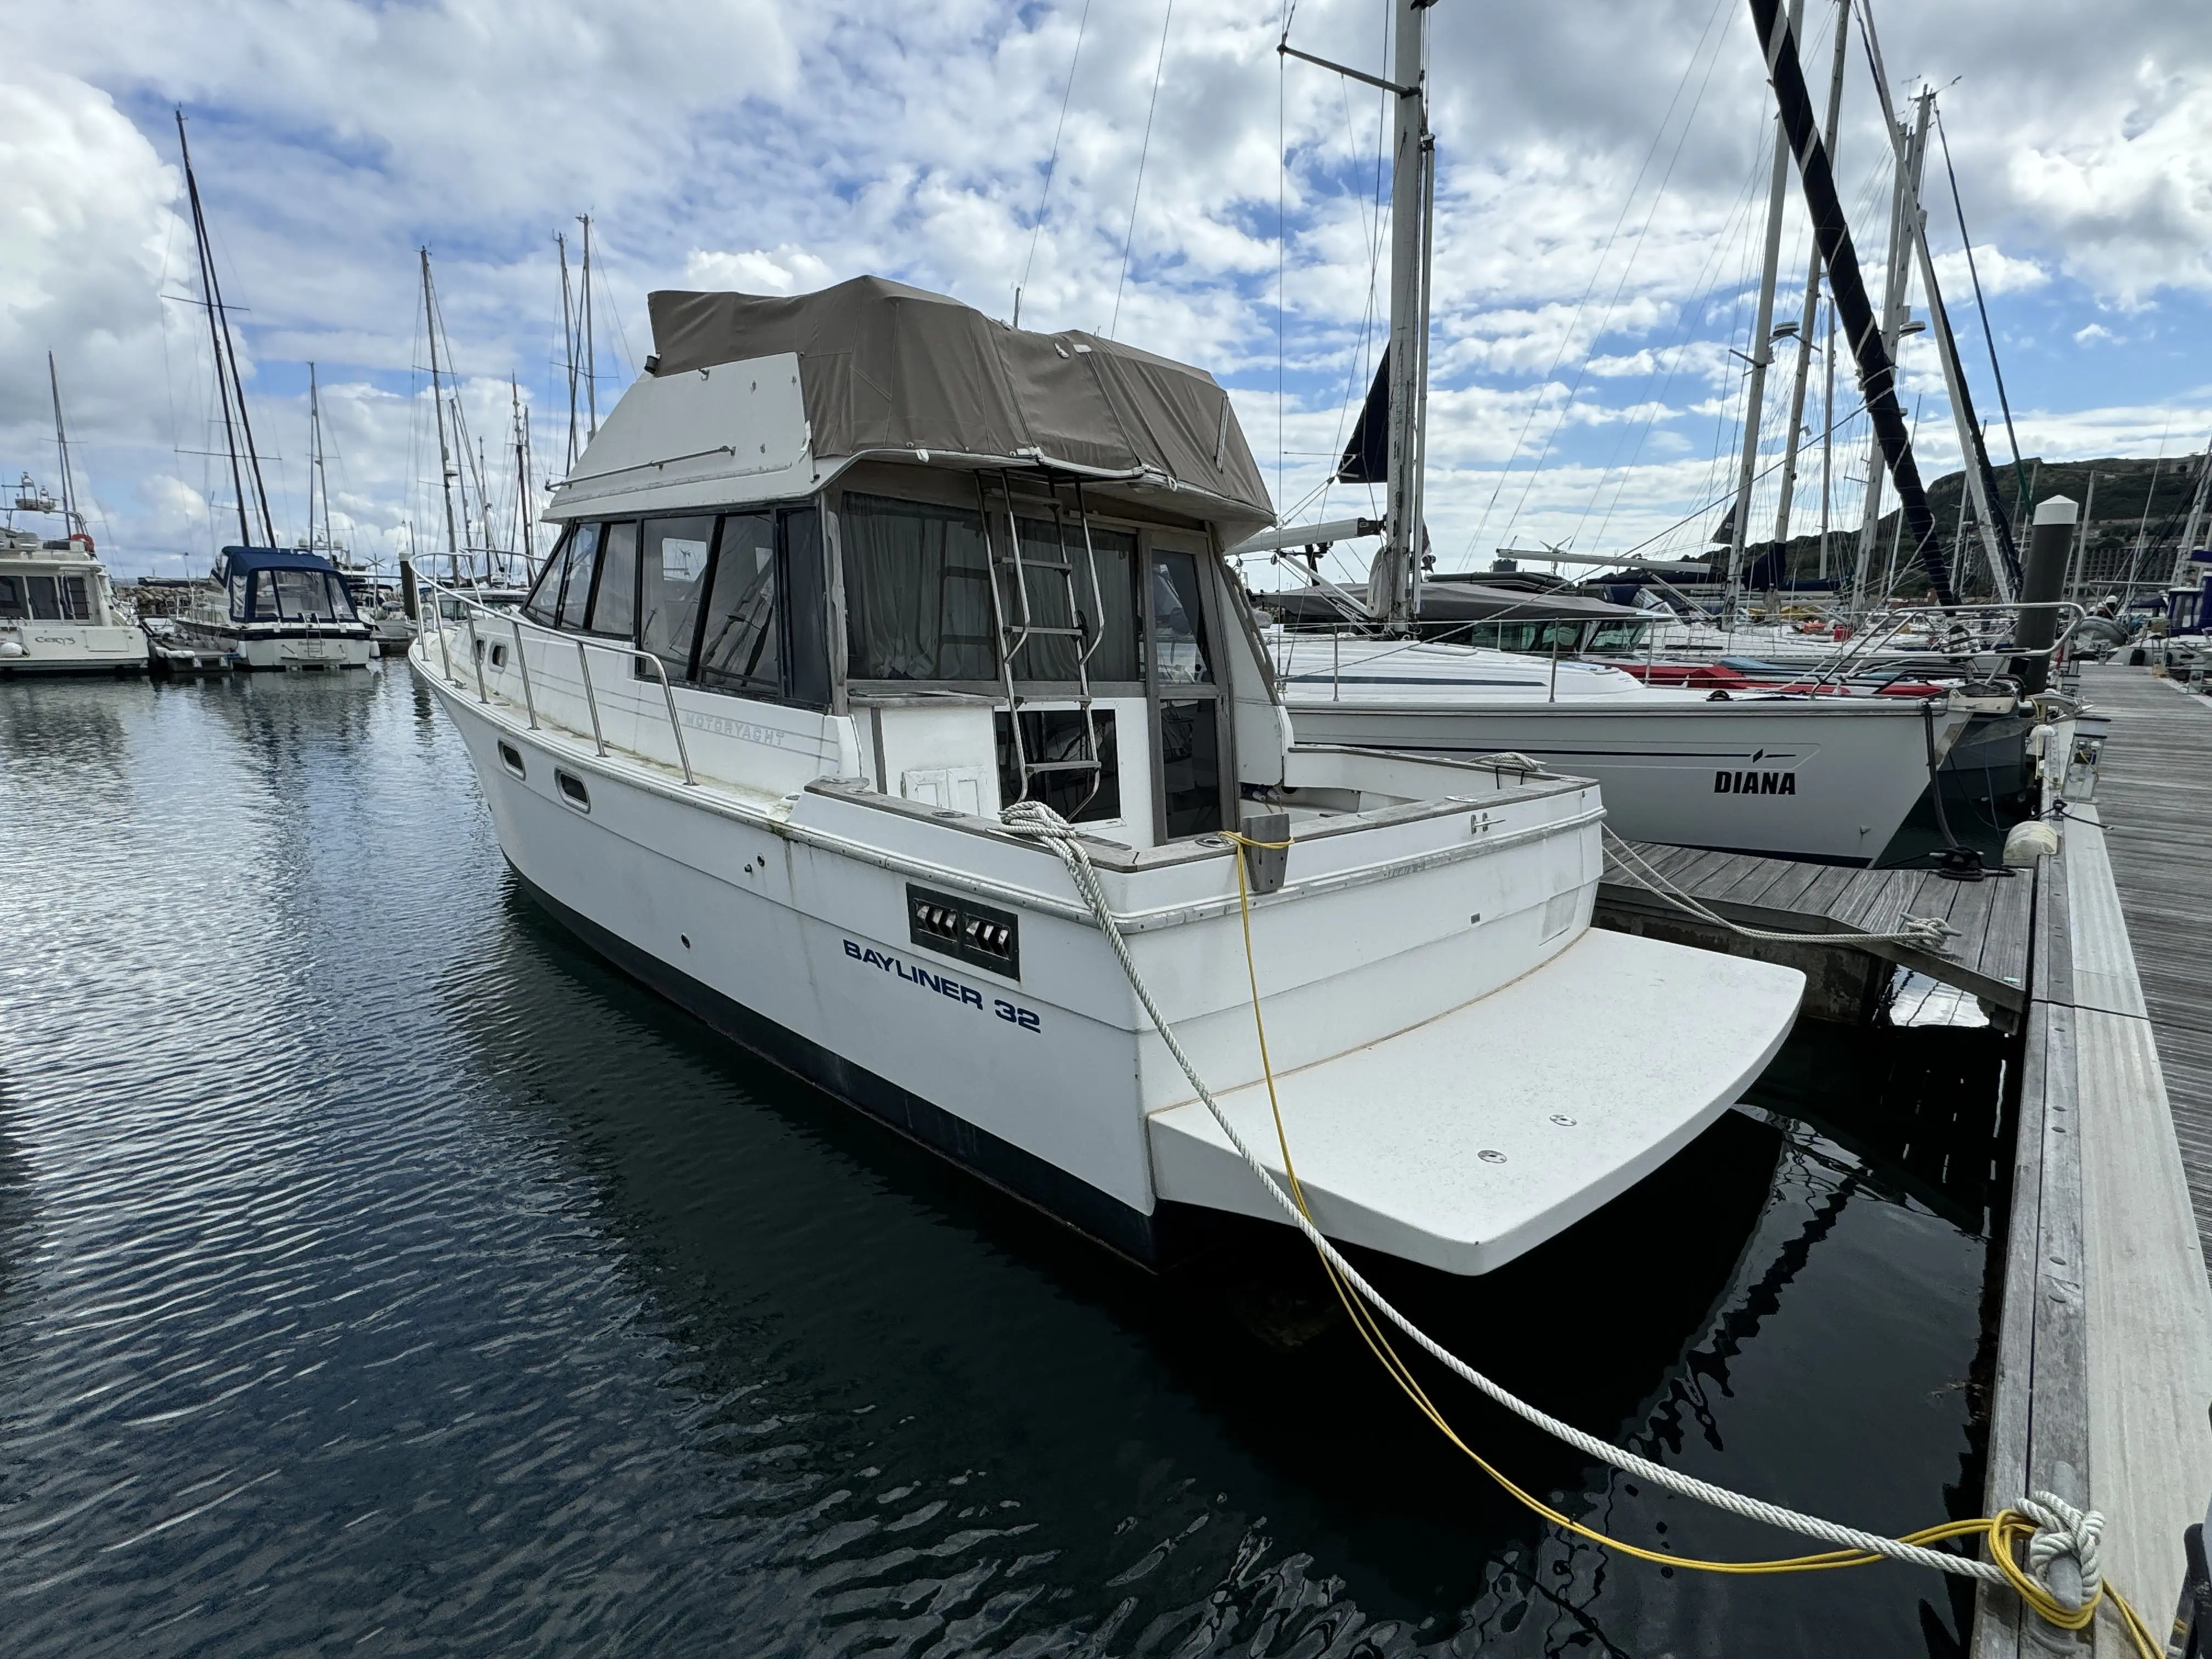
885, 366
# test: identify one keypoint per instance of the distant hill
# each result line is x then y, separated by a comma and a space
2123, 489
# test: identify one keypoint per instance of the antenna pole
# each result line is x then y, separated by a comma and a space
438, 402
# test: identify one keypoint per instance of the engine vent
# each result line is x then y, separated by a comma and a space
959, 928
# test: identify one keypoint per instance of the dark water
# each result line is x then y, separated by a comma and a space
379, 1273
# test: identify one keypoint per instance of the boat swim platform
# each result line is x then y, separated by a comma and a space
1985, 952
1463, 1142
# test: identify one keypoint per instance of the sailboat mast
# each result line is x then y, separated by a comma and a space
568, 344
72, 520
1399, 566
1810, 313
438, 402
1828, 434
591, 348
314, 446
216, 330
522, 515
2181, 560
1762, 331
1978, 483
1904, 205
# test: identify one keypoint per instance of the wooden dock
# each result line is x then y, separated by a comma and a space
2101, 960
1985, 955
2154, 793
2104, 1363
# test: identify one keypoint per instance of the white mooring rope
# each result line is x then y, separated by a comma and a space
2065, 1532
1927, 932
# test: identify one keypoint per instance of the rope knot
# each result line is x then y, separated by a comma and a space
2063, 1533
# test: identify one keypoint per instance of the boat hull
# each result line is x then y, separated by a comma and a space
1826, 780
63, 647
785, 926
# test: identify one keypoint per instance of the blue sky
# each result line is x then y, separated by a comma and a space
1601, 186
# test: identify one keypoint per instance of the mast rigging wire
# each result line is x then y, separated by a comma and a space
1988, 339
1598, 268
1051, 162
1129, 238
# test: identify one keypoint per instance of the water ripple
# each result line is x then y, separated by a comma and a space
379, 1271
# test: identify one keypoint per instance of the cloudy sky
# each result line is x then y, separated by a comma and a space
1601, 190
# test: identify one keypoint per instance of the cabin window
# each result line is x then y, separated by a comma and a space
77, 598
1623, 635
572, 789
673, 581
738, 648
11, 597
238, 591
544, 605
614, 594
45, 598
1109, 612
511, 758
1179, 620
917, 591
581, 566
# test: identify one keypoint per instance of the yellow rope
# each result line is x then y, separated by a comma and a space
2004, 1532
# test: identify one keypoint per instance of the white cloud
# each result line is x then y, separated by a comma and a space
1583, 312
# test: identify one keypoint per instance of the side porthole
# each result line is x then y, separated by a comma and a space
512, 758
572, 790
498, 656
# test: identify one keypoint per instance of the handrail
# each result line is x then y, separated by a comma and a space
518, 623
522, 661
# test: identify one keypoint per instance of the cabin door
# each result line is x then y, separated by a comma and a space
1183, 688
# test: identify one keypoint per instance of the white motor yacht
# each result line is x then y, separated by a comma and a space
58, 610
1828, 778
844, 575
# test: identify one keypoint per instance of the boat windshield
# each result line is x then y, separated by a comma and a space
300, 596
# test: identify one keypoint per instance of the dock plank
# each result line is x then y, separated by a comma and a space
1988, 955
2154, 794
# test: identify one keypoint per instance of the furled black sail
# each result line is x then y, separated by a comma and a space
1877, 374
1367, 457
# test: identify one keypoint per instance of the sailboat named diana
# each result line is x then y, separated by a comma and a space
844, 575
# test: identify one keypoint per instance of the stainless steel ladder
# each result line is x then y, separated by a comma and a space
1016, 632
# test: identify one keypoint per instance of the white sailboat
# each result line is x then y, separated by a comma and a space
263, 607
841, 576
1822, 777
